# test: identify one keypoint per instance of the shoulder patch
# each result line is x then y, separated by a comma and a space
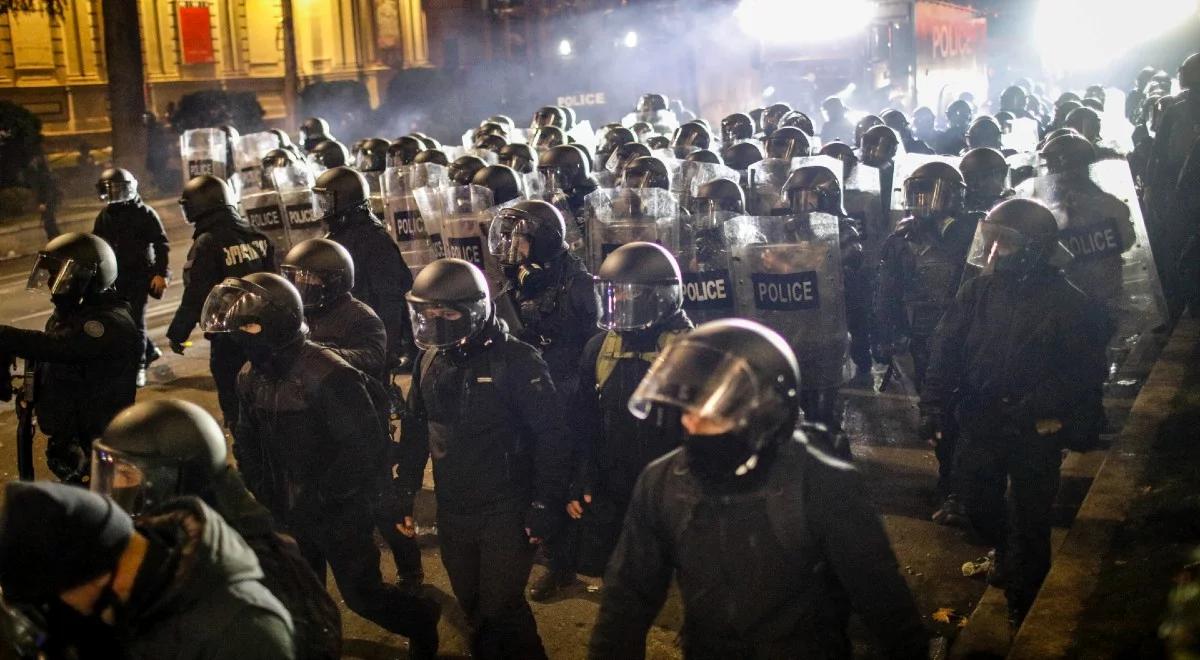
93, 329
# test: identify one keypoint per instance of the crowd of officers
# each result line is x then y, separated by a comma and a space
583, 413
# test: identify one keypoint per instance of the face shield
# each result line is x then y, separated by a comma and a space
135, 483
312, 285
995, 243
805, 200
116, 192
508, 237
232, 306
710, 384
629, 306
444, 324
986, 185
926, 198
56, 275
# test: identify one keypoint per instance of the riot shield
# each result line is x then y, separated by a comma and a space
861, 197
298, 204
402, 215
464, 222
626, 215
766, 178
704, 259
692, 175
262, 210
202, 151
788, 276
905, 165
248, 153
1023, 136
375, 192
664, 122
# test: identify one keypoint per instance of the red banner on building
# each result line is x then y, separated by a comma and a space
195, 34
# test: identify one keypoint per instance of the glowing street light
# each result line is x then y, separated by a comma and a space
631, 39
564, 48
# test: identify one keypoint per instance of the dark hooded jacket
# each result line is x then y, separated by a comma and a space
136, 235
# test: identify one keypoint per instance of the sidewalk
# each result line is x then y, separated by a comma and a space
1106, 592
25, 235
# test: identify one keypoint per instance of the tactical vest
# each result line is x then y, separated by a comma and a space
613, 349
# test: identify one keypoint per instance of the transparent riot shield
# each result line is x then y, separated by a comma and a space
692, 175
664, 122
1023, 136
402, 215
202, 151
766, 178
861, 197
264, 213
297, 202
704, 259
905, 165
465, 222
375, 192
248, 153
626, 215
788, 276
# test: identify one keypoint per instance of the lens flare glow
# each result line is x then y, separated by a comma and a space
1086, 35
564, 48
631, 39
776, 21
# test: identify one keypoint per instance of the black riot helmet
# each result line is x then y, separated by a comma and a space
372, 155
548, 137
814, 189
430, 143
448, 304
718, 195
787, 142
569, 116
651, 103
432, 156
340, 192
277, 158
1095, 92
116, 185
285, 140
658, 142
329, 154
1094, 104
894, 119
204, 195
404, 151
959, 114
1058, 132
689, 137
1066, 97
1086, 122
261, 312
1005, 119
1013, 100
314, 131
1062, 110
984, 132
742, 155
833, 109
492, 143
924, 119
865, 124
463, 169
842, 152
501, 180
548, 115
735, 127
985, 173
705, 156
531, 231
154, 451
934, 190
771, 116
879, 146
564, 168
1189, 72
738, 382
627, 153
799, 120
489, 128
1019, 236
587, 154
321, 270
503, 120
641, 129
518, 156
612, 140
72, 267
1068, 154
646, 172
638, 285
1143, 78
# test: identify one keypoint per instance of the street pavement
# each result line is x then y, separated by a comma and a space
898, 470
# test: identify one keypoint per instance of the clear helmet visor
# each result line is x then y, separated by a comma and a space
508, 237
136, 484
702, 381
993, 242
441, 325
326, 201
230, 306
55, 275
116, 192
926, 197
628, 306
311, 284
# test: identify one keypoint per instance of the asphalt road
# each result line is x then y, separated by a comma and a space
899, 471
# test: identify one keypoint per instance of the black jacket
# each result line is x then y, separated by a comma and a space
492, 419
1012, 350
381, 278
308, 438
87, 360
223, 245
139, 241
199, 592
558, 314
769, 573
350, 329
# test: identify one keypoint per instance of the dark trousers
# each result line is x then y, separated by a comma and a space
405, 551
600, 529
136, 292
488, 557
50, 221
225, 360
343, 543
918, 348
996, 460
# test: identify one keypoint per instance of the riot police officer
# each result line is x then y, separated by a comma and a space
836, 126
323, 273
920, 268
1018, 402
86, 358
985, 131
314, 131
878, 149
381, 276
136, 235
518, 156
310, 442
738, 508
565, 168
985, 173
612, 140
328, 154
865, 124
953, 140
690, 137
646, 172
923, 125
463, 169
155, 451
490, 412
403, 151
735, 128
896, 120
223, 245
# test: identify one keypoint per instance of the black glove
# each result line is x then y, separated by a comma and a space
543, 521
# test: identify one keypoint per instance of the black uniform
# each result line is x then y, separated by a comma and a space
495, 431
87, 360
771, 570
612, 446
381, 278
557, 308
136, 235
351, 330
952, 141
1009, 352
312, 448
223, 245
